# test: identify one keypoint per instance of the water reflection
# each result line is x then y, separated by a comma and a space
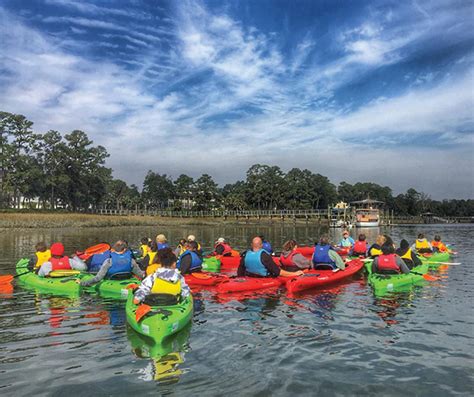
166, 357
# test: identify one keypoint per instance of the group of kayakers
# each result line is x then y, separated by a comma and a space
161, 268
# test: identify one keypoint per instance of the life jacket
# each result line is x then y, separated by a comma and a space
439, 246
267, 247
321, 255
196, 260
181, 249
121, 263
60, 263
287, 261
152, 268
375, 250
145, 249
227, 248
151, 257
253, 263
162, 245
360, 248
387, 264
407, 257
161, 286
97, 260
422, 246
42, 257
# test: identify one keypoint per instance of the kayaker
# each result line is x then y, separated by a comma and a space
266, 245
167, 280
144, 247
190, 261
388, 262
155, 261
180, 248
291, 260
149, 257
120, 265
438, 245
95, 262
161, 241
376, 248
421, 245
408, 256
42, 255
257, 262
221, 247
325, 257
347, 241
192, 238
360, 246
59, 261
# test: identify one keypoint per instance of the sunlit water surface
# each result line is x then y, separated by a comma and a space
339, 341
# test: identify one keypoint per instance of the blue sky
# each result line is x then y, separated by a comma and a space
359, 91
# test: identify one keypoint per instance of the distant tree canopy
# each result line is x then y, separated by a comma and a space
69, 172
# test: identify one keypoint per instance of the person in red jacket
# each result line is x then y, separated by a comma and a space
389, 262
291, 260
222, 247
360, 246
59, 261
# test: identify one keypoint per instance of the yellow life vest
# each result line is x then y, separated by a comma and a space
42, 257
152, 268
181, 249
422, 245
151, 256
407, 255
145, 249
161, 286
375, 252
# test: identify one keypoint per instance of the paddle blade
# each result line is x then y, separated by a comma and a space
132, 286
141, 311
7, 278
97, 249
430, 278
202, 276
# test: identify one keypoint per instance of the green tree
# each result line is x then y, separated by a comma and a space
206, 193
157, 190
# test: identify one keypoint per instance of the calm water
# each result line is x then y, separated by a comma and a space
340, 341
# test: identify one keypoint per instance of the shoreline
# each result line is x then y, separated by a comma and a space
21, 220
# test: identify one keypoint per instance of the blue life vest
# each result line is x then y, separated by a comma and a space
321, 255
196, 260
267, 247
162, 245
253, 263
121, 263
97, 260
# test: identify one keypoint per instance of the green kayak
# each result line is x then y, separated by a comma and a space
113, 289
211, 264
386, 283
431, 259
53, 285
161, 321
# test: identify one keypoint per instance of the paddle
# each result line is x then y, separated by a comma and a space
426, 276
445, 263
95, 249
7, 278
141, 311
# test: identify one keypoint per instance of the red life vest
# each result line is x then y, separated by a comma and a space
360, 248
227, 248
287, 261
60, 263
388, 263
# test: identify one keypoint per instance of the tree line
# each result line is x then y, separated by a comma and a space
69, 172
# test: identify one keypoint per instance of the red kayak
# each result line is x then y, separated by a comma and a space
240, 284
203, 278
318, 278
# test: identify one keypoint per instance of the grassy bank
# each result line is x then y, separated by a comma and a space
51, 220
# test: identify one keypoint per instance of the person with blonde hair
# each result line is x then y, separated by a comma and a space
161, 242
292, 260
